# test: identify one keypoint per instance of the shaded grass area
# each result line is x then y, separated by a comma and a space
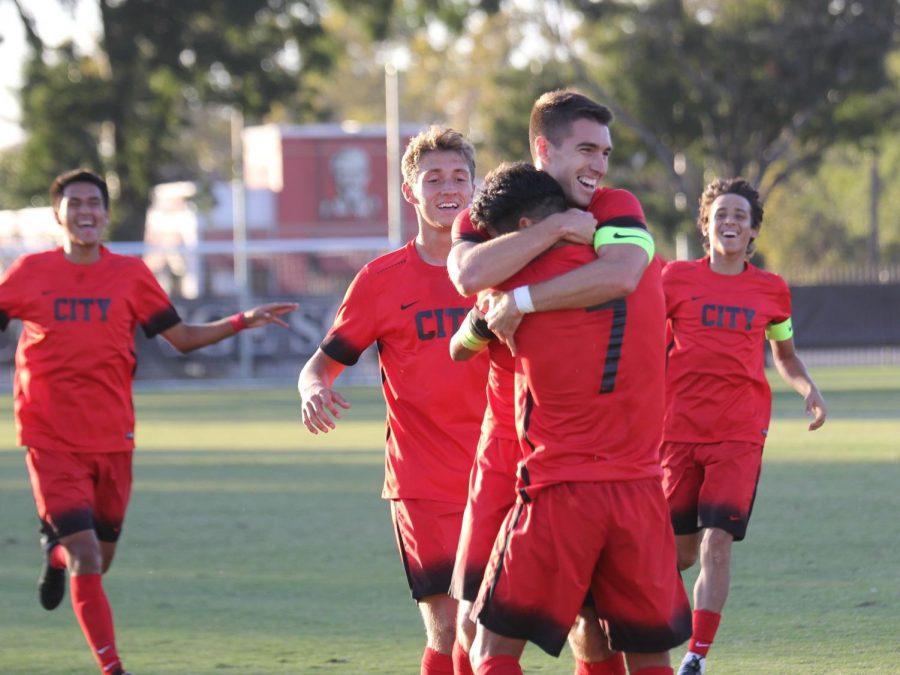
252, 546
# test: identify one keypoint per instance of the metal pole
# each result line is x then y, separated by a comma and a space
239, 214
392, 130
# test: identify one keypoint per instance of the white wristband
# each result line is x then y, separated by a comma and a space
522, 296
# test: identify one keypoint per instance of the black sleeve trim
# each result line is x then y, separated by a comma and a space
161, 322
4, 320
340, 350
623, 221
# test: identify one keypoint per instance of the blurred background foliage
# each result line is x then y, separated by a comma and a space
799, 96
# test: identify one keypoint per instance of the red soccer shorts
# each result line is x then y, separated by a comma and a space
427, 535
711, 485
492, 493
76, 491
612, 538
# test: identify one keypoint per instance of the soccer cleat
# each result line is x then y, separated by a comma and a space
52, 581
693, 664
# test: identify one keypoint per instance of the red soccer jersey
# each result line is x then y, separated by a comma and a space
716, 387
464, 230
610, 207
589, 382
500, 416
76, 359
613, 206
434, 405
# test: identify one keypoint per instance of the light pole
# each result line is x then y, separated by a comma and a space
392, 131
239, 220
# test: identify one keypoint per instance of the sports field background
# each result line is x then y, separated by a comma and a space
253, 547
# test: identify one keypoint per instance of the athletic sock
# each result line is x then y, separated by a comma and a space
95, 616
614, 665
705, 625
435, 663
58, 558
500, 665
654, 670
461, 663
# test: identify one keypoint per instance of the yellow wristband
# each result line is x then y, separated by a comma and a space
472, 342
780, 331
635, 236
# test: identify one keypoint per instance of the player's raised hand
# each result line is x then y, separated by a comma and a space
268, 313
503, 318
578, 226
318, 408
815, 406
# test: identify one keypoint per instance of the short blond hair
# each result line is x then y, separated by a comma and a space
431, 140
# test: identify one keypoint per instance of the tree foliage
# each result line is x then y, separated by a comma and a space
769, 89
157, 64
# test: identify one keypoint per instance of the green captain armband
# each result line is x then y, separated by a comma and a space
780, 331
471, 341
474, 334
635, 236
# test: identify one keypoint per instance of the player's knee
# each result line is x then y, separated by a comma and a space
716, 550
84, 559
465, 627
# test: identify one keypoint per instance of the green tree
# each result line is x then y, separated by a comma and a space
157, 66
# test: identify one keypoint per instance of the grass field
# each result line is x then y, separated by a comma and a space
252, 547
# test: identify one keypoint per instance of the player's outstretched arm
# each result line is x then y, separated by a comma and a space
318, 400
475, 267
794, 373
186, 337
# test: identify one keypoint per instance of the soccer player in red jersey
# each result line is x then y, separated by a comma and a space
404, 301
718, 403
570, 140
591, 515
75, 362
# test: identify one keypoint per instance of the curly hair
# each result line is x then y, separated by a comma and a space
736, 186
514, 190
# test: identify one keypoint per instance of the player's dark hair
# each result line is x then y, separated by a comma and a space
553, 113
735, 186
514, 190
432, 139
63, 180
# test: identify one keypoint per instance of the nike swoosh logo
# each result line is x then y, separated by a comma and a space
408, 304
696, 297
616, 235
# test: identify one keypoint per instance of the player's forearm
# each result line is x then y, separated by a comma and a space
793, 372
187, 337
477, 267
318, 373
608, 278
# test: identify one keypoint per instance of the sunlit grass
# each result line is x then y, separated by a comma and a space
254, 547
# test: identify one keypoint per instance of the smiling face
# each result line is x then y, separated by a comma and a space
443, 187
83, 216
579, 161
729, 227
